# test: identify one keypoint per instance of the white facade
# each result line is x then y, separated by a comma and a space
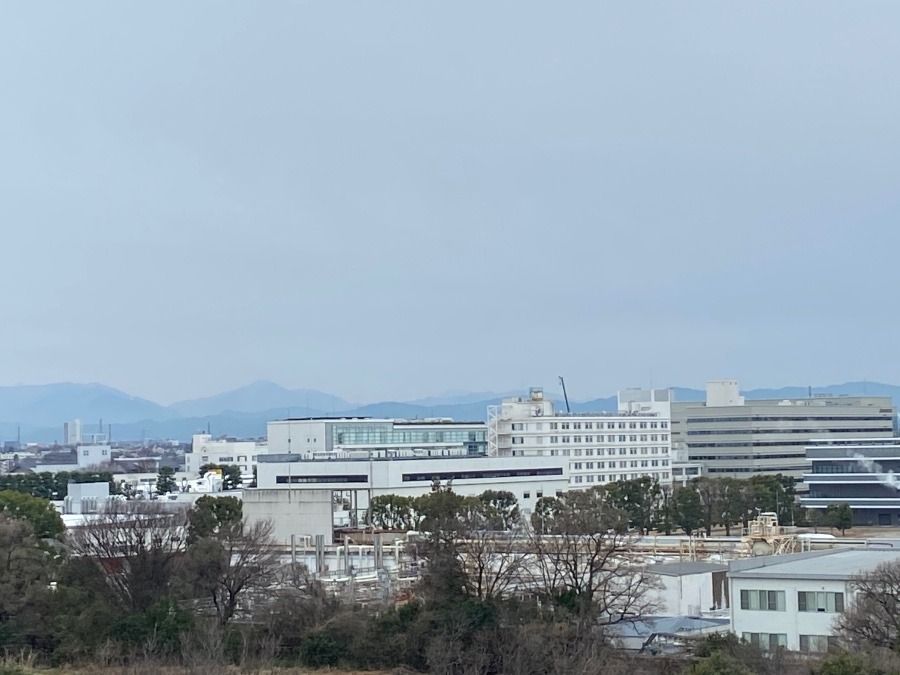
72, 432
792, 600
600, 447
528, 478
206, 450
691, 588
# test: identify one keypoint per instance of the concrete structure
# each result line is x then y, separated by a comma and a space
85, 498
335, 437
298, 513
599, 447
862, 472
691, 588
737, 438
72, 432
83, 457
792, 600
207, 450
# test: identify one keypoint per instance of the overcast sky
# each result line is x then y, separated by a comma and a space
387, 200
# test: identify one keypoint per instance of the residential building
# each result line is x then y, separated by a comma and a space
599, 447
293, 490
792, 600
862, 472
332, 437
72, 432
737, 438
207, 450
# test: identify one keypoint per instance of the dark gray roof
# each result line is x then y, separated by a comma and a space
681, 569
669, 625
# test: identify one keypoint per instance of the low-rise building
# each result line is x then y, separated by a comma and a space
691, 588
862, 472
220, 451
792, 600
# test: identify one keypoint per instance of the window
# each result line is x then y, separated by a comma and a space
643, 425
554, 439
576, 439
766, 641
242, 458
632, 425
820, 601
104, 452
539, 494
576, 466
554, 425
85, 452
577, 452
518, 426
576, 425
578, 479
811, 644
589, 465
526, 495
772, 601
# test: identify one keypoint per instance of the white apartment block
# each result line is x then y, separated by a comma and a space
599, 447
206, 450
72, 433
792, 600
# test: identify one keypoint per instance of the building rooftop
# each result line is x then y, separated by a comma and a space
681, 569
382, 420
831, 564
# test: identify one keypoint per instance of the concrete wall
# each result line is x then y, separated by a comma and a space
297, 512
689, 594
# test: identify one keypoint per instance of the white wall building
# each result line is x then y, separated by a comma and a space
792, 600
72, 432
735, 438
207, 450
333, 437
691, 588
599, 447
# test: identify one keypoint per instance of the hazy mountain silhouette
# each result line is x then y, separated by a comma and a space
40, 410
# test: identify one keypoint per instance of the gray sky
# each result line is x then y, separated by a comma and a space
385, 200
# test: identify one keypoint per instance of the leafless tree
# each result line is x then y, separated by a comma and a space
581, 559
240, 560
494, 562
872, 617
136, 543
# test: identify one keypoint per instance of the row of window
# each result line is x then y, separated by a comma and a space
589, 452
808, 432
762, 418
609, 425
600, 478
633, 463
622, 438
807, 601
809, 644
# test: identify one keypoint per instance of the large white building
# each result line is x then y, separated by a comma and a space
293, 490
733, 437
600, 447
207, 450
72, 432
792, 600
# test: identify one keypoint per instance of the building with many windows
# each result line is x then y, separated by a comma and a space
792, 600
599, 447
862, 472
737, 438
208, 450
348, 437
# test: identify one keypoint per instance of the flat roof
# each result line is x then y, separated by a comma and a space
282, 457
680, 569
385, 420
836, 565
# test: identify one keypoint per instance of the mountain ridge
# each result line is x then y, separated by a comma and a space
40, 410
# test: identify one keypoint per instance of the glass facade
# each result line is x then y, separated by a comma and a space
367, 434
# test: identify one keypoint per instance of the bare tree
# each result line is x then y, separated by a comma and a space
136, 543
872, 618
239, 560
581, 560
494, 562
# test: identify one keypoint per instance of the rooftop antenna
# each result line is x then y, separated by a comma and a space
810, 391
562, 383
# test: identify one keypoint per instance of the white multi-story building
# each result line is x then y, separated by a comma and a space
207, 450
72, 432
736, 438
293, 490
599, 447
792, 600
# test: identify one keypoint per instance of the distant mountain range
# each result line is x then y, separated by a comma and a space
40, 410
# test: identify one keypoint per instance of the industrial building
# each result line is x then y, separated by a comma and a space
298, 494
599, 447
792, 600
864, 473
737, 438
207, 450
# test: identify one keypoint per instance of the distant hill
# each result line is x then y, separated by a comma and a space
40, 410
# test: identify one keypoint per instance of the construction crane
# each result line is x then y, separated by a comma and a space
562, 383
